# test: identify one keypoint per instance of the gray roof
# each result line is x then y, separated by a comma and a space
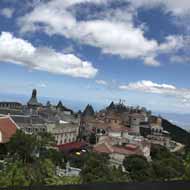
33, 100
27, 119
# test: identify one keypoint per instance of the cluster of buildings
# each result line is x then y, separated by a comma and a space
35, 117
117, 130
121, 131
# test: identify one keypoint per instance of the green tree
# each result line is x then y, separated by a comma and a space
167, 165
186, 175
43, 172
13, 175
118, 175
22, 146
28, 147
45, 140
97, 169
57, 157
164, 172
138, 167
3, 151
92, 138
159, 152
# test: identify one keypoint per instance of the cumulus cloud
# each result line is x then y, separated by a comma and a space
174, 6
112, 33
151, 61
7, 12
180, 59
181, 94
101, 82
148, 86
18, 51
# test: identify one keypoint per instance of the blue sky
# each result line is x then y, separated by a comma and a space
96, 51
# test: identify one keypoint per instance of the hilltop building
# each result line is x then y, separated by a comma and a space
115, 117
30, 124
33, 102
66, 130
157, 135
10, 105
88, 111
61, 108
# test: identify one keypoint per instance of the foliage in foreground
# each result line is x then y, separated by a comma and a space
29, 160
96, 169
40, 173
163, 167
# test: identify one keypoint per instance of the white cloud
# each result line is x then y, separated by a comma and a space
180, 59
101, 82
174, 6
7, 12
151, 61
18, 51
112, 33
149, 86
172, 43
181, 94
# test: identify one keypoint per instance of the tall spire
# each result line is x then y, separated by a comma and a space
33, 100
89, 111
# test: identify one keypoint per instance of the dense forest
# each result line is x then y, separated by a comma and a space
178, 134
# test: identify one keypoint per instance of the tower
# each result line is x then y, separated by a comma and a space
33, 102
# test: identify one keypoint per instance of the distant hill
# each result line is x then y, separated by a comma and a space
178, 134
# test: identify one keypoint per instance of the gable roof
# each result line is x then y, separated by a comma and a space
7, 128
72, 146
105, 147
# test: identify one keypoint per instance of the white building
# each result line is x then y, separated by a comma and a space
66, 133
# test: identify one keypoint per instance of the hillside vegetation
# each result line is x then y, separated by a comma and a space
178, 134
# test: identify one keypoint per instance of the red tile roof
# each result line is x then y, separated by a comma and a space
103, 148
7, 128
72, 146
125, 150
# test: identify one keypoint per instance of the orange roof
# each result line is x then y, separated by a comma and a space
107, 148
102, 148
126, 150
8, 128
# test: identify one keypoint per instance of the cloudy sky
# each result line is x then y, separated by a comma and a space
98, 51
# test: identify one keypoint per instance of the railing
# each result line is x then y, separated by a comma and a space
175, 185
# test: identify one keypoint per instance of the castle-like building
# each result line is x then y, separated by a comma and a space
118, 130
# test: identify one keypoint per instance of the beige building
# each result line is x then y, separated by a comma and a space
158, 134
118, 144
66, 133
